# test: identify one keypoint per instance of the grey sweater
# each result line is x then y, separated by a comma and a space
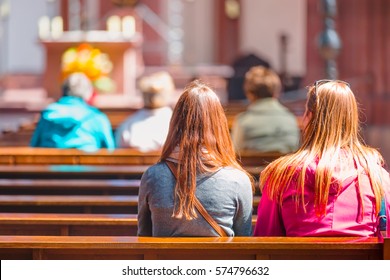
226, 195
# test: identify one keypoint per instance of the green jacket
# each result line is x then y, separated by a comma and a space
266, 126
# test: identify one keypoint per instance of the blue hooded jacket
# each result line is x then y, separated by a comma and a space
72, 123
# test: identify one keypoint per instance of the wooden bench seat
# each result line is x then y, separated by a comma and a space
118, 204
50, 156
31, 155
27, 162
84, 171
121, 204
72, 171
70, 224
119, 247
71, 186
116, 116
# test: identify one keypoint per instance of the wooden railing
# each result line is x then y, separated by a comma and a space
119, 247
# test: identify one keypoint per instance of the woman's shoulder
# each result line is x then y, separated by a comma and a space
161, 165
233, 174
233, 179
157, 176
156, 170
232, 170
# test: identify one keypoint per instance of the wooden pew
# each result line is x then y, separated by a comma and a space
120, 163
116, 116
260, 248
72, 171
84, 171
70, 224
35, 156
120, 204
253, 159
69, 186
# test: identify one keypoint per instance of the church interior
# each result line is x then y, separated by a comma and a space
118, 42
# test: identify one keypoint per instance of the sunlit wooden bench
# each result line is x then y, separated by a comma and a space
35, 156
120, 247
71, 186
58, 171
70, 224
115, 204
27, 162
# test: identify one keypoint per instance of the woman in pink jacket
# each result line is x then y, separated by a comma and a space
334, 184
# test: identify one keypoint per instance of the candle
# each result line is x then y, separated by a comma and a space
114, 24
128, 26
44, 27
57, 27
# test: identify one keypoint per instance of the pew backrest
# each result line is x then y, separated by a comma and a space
30, 155
73, 186
68, 224
114, 204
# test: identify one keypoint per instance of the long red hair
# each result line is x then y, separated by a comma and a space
199, 131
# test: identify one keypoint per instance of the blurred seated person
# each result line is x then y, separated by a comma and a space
71, 122
240, 66
266, 125
147, 129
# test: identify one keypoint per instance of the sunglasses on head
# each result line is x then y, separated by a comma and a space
321, 82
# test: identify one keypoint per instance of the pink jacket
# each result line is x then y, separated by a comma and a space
342, 212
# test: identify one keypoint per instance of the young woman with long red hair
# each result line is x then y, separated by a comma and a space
334, 184
199, 145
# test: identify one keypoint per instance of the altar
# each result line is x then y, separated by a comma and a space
123, 52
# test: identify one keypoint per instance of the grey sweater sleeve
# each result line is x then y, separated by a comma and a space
144, 214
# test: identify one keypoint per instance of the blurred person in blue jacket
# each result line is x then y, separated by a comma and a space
71, 122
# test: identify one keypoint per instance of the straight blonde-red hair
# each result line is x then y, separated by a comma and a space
332, 129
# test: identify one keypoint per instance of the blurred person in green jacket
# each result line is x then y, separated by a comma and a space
266, 125
71, 122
